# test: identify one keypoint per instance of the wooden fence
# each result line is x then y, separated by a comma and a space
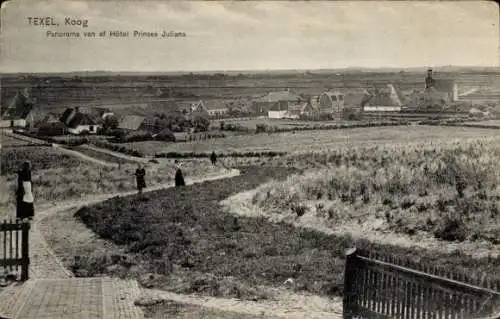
377, 286
14, 250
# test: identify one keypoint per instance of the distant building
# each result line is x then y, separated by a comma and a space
77, 122
276, 102
383, 100
330, 102
151, 124
437, 95
131, 122
19, 113
297, 110
446, 87
187, 107
99, 114
215, 108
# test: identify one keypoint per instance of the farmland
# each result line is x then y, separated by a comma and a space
304, 141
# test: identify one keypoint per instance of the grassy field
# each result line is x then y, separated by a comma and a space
450, 191
193, 246
280, 123
57, 176
40, 157
101, 155
307, 141
8, 141
487, 123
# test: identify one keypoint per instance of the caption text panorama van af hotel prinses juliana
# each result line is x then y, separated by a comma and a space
84, 23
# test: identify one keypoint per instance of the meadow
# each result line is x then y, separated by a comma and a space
8, 141
448, 190
307, 141
57, 176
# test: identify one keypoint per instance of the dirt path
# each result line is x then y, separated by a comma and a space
83, 156
119, 155
240, 204
288, 305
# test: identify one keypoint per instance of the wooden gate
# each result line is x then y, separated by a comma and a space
378, 286
14, 249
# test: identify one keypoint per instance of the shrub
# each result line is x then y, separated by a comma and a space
451, 229
260, 128
165, 135
137, 136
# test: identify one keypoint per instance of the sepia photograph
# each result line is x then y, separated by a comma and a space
249, 159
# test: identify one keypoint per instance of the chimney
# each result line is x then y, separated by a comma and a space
429, 81
71, 115
455, 92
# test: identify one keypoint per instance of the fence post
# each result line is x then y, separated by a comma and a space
349, 302
25, 251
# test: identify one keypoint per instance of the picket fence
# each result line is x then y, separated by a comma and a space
378, 286
14, 252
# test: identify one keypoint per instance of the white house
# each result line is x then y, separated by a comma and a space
78, 122
19, 113
384, 100
215, 107
277, 114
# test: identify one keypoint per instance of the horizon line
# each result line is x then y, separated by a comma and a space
262, 70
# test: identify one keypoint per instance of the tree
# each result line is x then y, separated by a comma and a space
110, 122
201, 122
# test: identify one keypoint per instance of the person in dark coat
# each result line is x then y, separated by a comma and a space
213, 158
24, 195
140, 175
179, 178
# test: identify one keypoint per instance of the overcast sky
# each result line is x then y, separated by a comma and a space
251, 35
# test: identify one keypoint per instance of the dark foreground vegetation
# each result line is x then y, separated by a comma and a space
182, 235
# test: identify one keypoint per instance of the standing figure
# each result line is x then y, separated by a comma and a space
213, 158
179, 178
24, 201
140, 174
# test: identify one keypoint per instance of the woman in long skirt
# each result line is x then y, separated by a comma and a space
25, 207
179, 178
140, 174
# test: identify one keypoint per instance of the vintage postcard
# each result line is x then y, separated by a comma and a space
249, 159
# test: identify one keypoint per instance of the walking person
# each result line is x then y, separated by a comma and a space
24, 200
179, 178
213, 158
140, 175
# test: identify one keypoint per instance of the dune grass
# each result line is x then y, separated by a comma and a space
450, 190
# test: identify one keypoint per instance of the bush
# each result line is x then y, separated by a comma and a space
165, 135
452, 229
137, 136
260, 128
51, 129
